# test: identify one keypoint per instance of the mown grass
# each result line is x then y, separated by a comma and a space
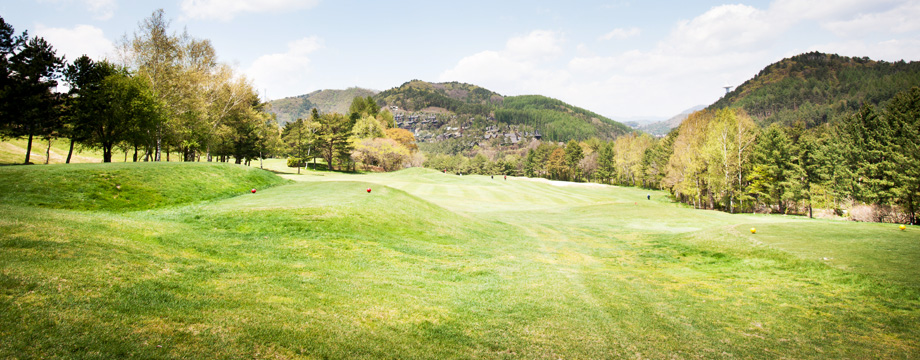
127, 186
439, 266
13, 151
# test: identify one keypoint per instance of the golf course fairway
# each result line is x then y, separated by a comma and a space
429, 265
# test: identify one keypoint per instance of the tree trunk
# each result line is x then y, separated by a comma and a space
28, 149
699, 200
106, 153
48, 152
135, 153
912, 218
70, 152
159, 132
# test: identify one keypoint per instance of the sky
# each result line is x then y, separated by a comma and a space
624, 59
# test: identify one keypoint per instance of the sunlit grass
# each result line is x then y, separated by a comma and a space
430, 265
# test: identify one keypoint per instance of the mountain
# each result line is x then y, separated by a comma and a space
452, 117
460, 98
454, 110
296, 107
662, 128
815, 88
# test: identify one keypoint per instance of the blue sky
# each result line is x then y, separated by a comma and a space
623, 59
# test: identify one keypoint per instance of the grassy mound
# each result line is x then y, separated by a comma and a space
127, 186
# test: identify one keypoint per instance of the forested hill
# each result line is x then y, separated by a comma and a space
455, 97
557, 120
554, 119
816, 88
293, 108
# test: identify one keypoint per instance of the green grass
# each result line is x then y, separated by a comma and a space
430, 265
127, 186
13, 151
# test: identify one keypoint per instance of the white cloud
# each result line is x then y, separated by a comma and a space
899, 19
538, 44
104, 9
621, 34
288, 73
227, 9
81, 40
722, 28
519, 67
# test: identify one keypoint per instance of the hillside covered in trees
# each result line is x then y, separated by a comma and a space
327, 101
815, 88
465, 116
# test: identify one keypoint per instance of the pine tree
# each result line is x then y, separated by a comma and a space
28, 107
903, 114
772, 161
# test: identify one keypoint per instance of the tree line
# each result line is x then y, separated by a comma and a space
163, 93
721, 159
166, 93
367, 136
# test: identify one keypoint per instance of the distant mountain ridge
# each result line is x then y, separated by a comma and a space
662, 128
297, 107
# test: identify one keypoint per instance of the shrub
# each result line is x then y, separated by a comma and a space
878, 213
386, 153
295, 162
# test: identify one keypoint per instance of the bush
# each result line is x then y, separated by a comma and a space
878, 213
385, 153
295, 162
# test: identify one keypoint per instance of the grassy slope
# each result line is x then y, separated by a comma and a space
13, 151
127, 186
439, 266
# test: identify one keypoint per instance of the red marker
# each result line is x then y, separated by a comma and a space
253, 191
368, 189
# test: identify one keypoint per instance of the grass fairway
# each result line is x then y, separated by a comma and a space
439, 266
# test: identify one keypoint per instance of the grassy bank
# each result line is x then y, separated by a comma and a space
430, 265
127, 186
